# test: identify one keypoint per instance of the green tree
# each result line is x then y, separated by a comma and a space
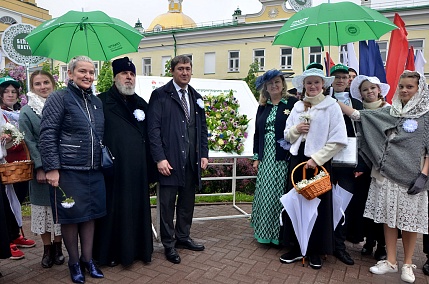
105, 78
251, 78
167, 69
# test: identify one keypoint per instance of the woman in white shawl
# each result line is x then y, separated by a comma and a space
394, 140
317, 131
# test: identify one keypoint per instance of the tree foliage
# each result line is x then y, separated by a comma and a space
105, 78
167, 69
251, 78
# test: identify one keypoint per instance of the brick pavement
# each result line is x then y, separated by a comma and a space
231, 256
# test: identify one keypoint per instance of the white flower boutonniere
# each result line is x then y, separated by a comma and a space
139, 114
410, 125
286, 111
200, 103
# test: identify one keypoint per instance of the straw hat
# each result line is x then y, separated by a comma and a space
298, 81
355, 85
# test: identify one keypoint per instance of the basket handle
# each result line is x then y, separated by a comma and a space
27, 152
316, 170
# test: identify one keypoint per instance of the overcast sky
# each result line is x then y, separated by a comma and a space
200, 11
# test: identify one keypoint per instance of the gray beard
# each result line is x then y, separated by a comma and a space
125, 89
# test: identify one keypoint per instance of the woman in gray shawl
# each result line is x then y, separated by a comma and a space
394, 141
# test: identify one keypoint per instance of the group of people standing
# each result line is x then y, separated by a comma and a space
388, 184
108, 210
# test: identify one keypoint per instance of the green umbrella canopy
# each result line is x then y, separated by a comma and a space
93, 34
333, 24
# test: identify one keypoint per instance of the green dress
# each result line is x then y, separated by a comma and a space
270, 186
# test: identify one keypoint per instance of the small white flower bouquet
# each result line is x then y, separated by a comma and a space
305, 117
16, 135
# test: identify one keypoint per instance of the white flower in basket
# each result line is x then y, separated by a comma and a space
303, 183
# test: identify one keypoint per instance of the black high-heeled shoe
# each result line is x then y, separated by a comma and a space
76, 273
93, 270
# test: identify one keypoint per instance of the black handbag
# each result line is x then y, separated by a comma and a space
106, 156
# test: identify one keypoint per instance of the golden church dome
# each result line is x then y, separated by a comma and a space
174, 18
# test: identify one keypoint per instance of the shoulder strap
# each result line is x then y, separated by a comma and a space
87, 118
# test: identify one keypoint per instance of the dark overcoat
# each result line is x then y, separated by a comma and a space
125, 233
167, 132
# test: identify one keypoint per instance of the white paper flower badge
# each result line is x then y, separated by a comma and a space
139, 114
200, 103
410, 125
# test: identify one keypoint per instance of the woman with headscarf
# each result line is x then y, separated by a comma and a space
395, 141
317, 131
270, 158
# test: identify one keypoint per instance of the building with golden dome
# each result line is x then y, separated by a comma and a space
225, 50
173, 19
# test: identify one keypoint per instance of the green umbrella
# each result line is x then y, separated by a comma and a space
333, 24
93, 34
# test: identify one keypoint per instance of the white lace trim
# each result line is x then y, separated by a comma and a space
36, 102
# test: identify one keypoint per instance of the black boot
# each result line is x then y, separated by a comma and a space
76, 273
58, 253
93, 270
426, 266
47, 259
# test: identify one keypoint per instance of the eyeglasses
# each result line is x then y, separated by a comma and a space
342, 77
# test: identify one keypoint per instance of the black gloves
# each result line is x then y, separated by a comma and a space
419, 184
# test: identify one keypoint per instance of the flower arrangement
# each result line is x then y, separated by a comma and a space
16, 135
303, 183
68, 202
226, 127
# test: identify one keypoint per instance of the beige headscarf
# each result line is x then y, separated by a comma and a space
417, 106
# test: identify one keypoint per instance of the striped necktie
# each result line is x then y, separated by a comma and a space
184, 104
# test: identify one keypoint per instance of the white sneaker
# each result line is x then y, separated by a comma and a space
407, 273
383, 266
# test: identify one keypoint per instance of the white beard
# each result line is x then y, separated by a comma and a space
125, 90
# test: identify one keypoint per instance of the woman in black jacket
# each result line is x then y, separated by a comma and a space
71, 152
270, 158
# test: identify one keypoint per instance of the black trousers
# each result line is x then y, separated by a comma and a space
21, 191
184, 209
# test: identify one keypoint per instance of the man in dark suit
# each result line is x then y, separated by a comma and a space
178, 143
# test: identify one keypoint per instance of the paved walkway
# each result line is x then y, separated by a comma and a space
232, 256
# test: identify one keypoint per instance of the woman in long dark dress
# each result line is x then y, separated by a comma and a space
317, 131
270, 159
71, 157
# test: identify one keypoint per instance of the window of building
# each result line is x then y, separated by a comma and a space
382, 45
315, 54
147, 66
8, 20
259, 56
286, 58
417, 44
190, 57
342, 48
96, 70
209, 63
164, 61
234, 61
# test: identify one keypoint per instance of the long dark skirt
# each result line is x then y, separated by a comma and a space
88, 191
322, 237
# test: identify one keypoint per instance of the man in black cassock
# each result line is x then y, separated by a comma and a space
125, 234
